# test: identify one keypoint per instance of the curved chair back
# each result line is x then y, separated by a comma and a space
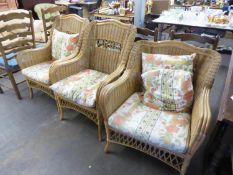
197, 38
110, 44
48, 17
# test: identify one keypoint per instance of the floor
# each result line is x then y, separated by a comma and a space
34, 142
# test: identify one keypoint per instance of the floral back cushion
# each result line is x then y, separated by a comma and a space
63, 44
160, 61
167, 89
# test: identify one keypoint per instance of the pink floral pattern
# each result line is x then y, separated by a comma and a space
38, 72
80, 88
160, 61
163, 129
63, 44
166, 89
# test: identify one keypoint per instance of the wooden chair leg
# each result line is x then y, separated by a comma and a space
100, 132
30, 91
106, 147
12, 79
1, 91
59, 107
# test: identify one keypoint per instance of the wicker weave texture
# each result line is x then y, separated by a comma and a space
206, 65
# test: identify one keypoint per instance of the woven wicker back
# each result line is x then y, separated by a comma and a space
206, 62
71, 24
110, 44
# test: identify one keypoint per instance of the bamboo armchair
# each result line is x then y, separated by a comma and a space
16, 34
71, 24
106, 49
112, 96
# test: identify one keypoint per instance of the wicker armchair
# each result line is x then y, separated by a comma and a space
115, 94
42, 57
104, 54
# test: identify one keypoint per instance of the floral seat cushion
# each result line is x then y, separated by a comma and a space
80, 88
163, 129
38, 72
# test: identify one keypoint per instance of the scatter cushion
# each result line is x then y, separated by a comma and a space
159, 61
80, 88
38, 72
63, 44
12, 63
167, 89
162, 129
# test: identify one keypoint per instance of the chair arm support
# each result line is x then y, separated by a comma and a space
114, 94
65, 68
35, 56
200, 120
112, 77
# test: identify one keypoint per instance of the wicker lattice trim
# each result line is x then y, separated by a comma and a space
110, 45
166, 156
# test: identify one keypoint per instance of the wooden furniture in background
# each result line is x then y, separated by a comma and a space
115, 94
146, 34
48, 17
105, 49
15, 36
223, 139
194, 37
71, 24
128, 18
29, 4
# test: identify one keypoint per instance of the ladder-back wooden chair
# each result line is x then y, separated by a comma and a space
36, 63
102, 59
158, 133
212, 41
17, 34
146, 34
48, 17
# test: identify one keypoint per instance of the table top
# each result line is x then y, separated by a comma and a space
162, 20
127, 17
79, 3
226, 106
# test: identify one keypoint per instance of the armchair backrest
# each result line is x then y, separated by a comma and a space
71, 24
110, 44
16, 34
206, 62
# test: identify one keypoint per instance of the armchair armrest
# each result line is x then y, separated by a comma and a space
31, 57
200, 120
65, 68
114, 94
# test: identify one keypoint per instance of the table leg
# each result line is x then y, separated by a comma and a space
86, 13
160, 30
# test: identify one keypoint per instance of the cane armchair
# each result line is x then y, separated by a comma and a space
36, 63
102, 59
121, 94
16, 34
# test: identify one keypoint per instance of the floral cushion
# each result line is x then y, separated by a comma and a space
80, 88
153, 61
38, 72
63, 44
167, 89
163, 129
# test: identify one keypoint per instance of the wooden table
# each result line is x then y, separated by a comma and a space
84, 4
128, 18
224, 137
161, 21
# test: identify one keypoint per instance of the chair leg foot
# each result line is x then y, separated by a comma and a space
30, 92
100, 132
106, 147
1, 91
12, 79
